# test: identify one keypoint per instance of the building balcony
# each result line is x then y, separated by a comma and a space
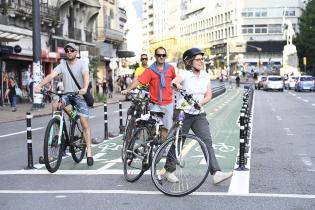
113, 35
21, 12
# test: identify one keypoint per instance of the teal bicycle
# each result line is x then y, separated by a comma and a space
57, 138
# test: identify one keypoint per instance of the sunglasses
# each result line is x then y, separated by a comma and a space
69, 50
144, 59
199, 59
161, 55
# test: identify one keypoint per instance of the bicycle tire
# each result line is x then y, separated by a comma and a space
189, 170
127, 135
135, 155
77, 142
52, 150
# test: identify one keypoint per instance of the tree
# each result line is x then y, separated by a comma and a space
305, 39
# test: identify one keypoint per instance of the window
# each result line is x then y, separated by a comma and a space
260, 29
249, 12
262, 12
275, 28
289, 12
247, 29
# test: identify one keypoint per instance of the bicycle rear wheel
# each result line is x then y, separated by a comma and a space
136, 154
77, 141
188, 161
127, 135
52, 148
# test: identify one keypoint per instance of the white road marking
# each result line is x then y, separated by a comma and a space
240, 179
133, 192
273, 109
21, 132
308, 162
91, 117
278, 117
313, 104
299, 97
305, 100
288, 131
122, 110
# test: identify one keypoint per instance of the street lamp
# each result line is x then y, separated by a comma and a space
259, 49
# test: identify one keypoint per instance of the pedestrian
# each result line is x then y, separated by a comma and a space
196, 82
104, 87
11, 93
159, 77
110, 86
60, 85
143, 66
97, 87
80, 71
237, 79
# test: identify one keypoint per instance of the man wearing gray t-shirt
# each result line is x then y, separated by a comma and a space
80, 71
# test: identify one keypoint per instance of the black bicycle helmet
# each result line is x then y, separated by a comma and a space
189, 54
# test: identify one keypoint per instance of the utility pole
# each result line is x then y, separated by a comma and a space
259, 49
37, 72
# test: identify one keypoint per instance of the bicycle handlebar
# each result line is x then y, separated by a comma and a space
60, 94
188, 97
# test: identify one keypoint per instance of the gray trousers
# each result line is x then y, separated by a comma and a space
200, 126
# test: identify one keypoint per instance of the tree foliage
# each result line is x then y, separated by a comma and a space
305, 39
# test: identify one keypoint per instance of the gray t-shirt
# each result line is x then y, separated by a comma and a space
78, 69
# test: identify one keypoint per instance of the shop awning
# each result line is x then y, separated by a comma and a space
125, 54
12, 33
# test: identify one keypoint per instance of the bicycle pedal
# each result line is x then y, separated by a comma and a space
41, 160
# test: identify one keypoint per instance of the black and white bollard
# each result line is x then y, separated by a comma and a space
121, 127
29, 141
105, 122
242, 160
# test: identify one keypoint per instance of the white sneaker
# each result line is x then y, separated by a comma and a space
220, 176
171, 177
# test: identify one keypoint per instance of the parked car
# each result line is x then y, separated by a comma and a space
304, 82
259, 83
290, 82
273, 83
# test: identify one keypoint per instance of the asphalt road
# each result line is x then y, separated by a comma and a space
280, 177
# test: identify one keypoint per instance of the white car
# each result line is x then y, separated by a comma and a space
273, 83
290, 83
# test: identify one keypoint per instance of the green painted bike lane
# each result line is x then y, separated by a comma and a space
222, 113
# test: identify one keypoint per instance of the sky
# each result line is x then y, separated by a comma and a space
133, 24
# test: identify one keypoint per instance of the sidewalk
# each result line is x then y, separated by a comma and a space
6, 115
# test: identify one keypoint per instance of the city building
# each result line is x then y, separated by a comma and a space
240, 35
62, 21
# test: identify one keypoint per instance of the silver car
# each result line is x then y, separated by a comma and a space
273, 83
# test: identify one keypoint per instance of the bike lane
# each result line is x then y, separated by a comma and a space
222, 113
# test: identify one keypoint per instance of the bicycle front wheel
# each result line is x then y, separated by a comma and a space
127, 135
53, 145
137, 152
77, 141
187, 160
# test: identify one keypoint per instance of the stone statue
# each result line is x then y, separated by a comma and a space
288, 32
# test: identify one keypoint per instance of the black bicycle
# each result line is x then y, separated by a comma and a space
139, 106
57, 137
185, 154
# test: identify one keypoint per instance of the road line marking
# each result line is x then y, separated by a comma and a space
91, 117
12, 134
278, 117
305, 100
288, 131
139, 192
313, 104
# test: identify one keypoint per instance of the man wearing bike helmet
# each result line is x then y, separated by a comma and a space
80, 71
197, 83
159, 77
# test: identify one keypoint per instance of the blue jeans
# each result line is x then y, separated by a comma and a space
13, 101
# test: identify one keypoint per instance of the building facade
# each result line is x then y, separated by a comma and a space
59, 26
239, 34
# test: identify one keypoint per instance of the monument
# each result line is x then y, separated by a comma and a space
290, 58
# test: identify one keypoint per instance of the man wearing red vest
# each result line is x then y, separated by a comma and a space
159, 77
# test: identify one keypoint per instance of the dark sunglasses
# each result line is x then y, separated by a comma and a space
144, 59
161, 55
69, 50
